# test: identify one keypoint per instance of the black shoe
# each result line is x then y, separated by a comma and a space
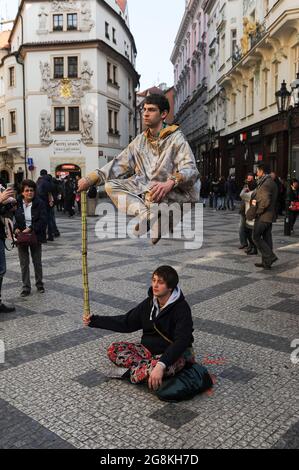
57, 234
251, 253
242, 247
41, 290
5, 309
25, 293
51, 239
263, 265
274, 259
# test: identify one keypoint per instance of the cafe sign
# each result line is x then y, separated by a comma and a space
67, 146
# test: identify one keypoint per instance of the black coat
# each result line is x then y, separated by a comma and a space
39, 218
175, 322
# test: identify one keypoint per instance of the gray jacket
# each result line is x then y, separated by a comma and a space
266, 196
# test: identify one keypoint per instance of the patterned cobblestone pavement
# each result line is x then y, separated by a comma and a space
54, 385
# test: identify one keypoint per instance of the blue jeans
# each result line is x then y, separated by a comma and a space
2, 264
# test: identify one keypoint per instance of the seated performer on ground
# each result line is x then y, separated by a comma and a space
166, 321
158, 166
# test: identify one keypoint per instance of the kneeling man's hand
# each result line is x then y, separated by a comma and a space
156, 377
86, 320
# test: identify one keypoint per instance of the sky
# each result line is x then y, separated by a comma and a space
154, 24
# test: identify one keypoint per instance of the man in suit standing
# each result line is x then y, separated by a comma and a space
264, 200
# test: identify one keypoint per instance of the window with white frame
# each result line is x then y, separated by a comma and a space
13, 122
234, 107
107, 30
114, 35
67, 119
275, 75
58, 67
113, 121
72, 21
12, 76
65, 21
222, 49
112, 73
251, 96
2, 130
65, 67
58, 22
233, 41
244, 101
265, 87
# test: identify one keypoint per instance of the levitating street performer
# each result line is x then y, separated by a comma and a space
166, 321
158, 166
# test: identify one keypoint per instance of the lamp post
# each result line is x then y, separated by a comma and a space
287, 102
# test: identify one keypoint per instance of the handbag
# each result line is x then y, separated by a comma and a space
186, 384
294, 206
190, 381
27, 239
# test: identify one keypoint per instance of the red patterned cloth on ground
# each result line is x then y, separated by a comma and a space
141, 362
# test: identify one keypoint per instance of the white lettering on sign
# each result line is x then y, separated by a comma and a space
255, 133
67, 146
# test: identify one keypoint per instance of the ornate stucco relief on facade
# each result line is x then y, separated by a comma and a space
65, 91
45, 128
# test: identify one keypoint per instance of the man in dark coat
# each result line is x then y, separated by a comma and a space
264, 200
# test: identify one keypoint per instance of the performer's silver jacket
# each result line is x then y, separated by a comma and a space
147, 160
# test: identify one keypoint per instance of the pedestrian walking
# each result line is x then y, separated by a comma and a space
251, 185
264, 201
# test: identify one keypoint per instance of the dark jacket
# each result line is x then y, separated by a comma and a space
175, 322
39, 218
266, 197
44, 189
5, 211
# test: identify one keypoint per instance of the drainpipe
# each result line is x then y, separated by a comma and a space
21, 62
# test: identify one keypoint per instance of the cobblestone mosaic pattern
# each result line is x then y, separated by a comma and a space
55, 383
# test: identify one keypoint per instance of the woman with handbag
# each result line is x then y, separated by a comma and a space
30, 230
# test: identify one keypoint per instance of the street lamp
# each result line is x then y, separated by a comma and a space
287, 102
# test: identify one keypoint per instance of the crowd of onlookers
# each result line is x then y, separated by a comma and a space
222, 194
27, 220
32, 207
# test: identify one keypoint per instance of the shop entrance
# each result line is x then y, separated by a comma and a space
68, 169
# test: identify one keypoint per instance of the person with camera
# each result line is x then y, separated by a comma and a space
30, 230
6, 198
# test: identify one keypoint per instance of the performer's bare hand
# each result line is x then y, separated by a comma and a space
8, 193
156, 377
83, 185
86, 320
160, 190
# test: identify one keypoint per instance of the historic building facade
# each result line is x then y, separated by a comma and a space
267, 53
250, 46
189, 58
67, 87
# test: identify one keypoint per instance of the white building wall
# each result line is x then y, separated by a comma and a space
96, 97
